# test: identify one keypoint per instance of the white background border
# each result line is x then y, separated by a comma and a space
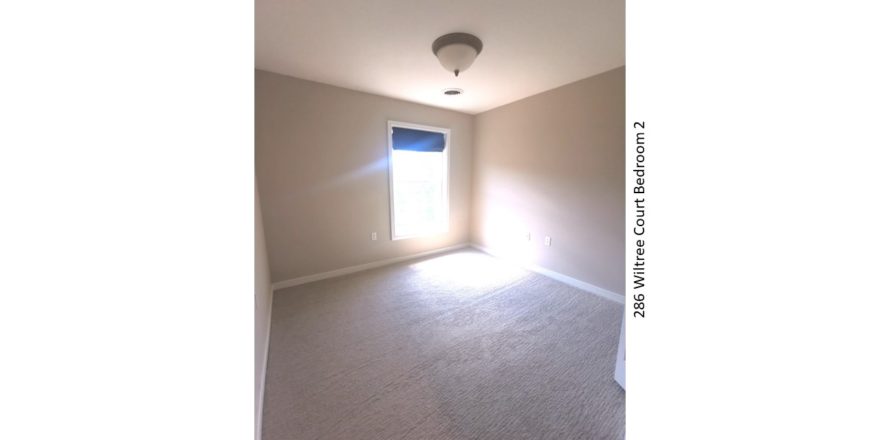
126, 181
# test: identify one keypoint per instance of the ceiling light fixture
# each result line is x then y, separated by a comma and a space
452, 92
457, 51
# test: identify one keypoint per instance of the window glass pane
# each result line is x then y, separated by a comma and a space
418, 189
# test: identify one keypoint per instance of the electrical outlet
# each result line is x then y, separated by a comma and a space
547, 241
374, 237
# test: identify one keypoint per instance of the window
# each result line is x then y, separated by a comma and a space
419, 174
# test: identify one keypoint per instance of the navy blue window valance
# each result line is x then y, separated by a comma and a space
417, 140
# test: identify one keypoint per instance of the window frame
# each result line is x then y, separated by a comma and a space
447, 153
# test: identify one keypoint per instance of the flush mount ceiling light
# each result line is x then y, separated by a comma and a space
452, 92
457, 51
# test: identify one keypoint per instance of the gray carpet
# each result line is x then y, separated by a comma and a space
459, 346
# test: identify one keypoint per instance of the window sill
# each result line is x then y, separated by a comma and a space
420, 235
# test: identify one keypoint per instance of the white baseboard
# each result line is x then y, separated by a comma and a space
259, 421
565, 279
360, 267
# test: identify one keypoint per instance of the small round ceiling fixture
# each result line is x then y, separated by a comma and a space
457, 51
453, 92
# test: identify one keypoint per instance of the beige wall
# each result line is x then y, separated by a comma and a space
321, 162
262, 308
553, 164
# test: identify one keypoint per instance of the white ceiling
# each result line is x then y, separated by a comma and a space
384, 46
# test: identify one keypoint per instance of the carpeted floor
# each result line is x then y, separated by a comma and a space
457, 346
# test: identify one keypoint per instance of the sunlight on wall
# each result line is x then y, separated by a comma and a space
504, 231
344, 178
